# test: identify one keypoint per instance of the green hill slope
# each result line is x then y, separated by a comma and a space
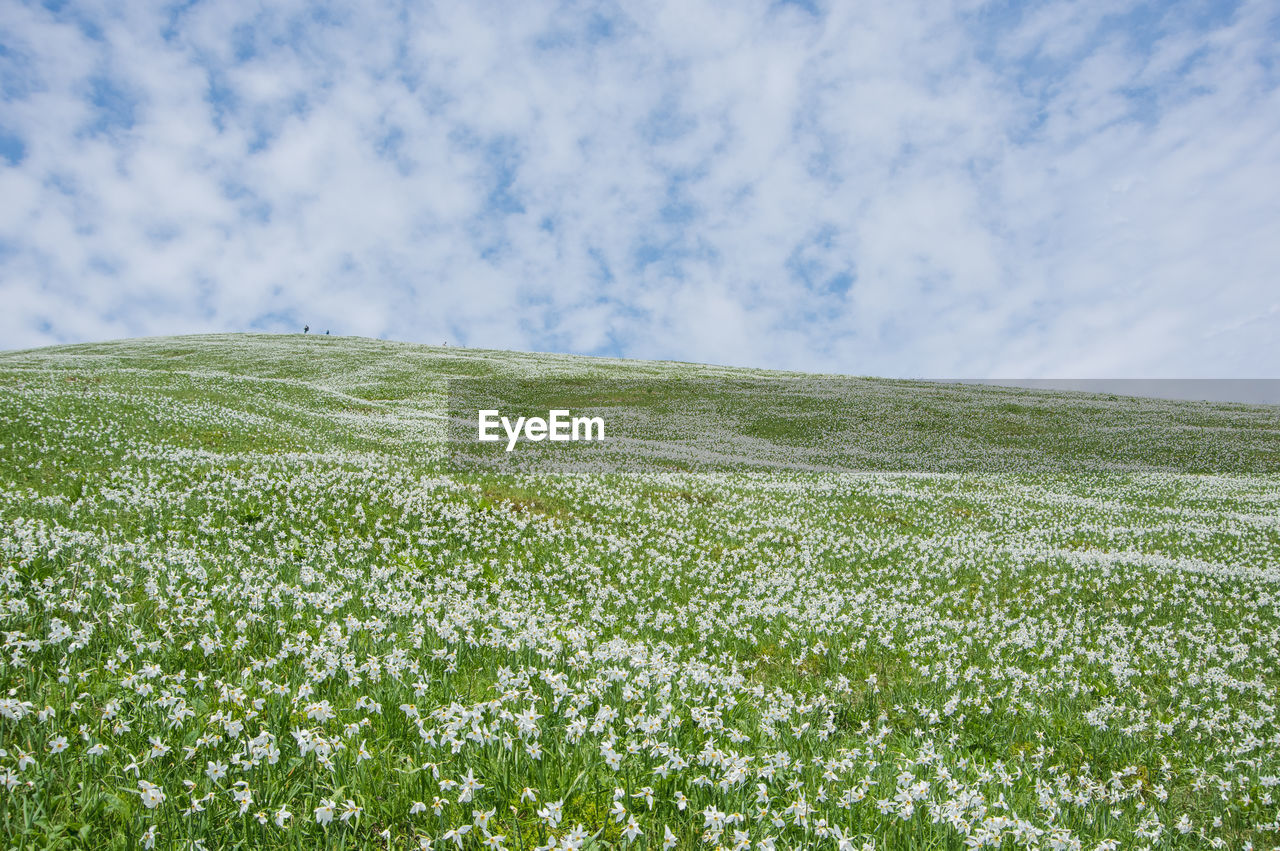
249, 585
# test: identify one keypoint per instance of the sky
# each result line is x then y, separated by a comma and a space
900, 188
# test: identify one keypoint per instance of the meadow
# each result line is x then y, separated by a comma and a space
251, 596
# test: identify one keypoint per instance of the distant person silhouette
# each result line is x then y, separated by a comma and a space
306, 328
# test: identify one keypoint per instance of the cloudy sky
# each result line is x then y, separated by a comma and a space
1082, 189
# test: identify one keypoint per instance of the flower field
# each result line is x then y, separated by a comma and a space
250, 600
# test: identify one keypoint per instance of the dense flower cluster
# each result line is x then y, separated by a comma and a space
244, 597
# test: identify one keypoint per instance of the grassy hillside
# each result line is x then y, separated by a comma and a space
248, 587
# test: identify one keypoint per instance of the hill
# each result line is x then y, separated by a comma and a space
259, 590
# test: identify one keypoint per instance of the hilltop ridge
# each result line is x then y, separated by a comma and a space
384, 396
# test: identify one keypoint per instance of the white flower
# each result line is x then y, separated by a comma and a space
158, 748
456, 834
470, 785
151, 794
552, 813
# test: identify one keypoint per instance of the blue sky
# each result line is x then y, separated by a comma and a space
906, 189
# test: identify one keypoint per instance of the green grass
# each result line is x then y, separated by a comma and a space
1057, 612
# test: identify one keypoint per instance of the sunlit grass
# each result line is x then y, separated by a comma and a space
242, 573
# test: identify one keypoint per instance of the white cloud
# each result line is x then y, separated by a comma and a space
894, 188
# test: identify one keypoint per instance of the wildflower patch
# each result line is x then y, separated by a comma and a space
767, 611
